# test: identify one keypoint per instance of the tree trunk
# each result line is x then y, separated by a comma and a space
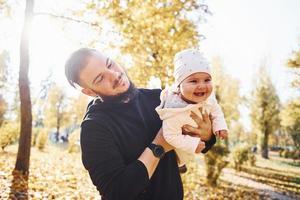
22, 163
57, 125
57, 134
264, 145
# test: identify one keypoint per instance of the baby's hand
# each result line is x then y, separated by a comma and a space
222, 134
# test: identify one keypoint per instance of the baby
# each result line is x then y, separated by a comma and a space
190, 94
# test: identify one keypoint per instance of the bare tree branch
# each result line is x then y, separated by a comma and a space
95, 24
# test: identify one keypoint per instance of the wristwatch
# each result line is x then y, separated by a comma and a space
157, 150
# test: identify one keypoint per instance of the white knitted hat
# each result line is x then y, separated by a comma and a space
187, 62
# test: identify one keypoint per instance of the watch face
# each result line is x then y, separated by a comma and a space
159, 151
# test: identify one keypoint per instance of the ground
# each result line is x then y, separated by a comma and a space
57, 174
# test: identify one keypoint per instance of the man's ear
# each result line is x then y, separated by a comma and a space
88, 92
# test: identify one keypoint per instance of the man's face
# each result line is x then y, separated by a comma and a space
102, 76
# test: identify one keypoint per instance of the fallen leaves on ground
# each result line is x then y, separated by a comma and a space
57, 174
54, 174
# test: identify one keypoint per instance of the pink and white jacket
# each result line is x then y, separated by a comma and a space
175, 113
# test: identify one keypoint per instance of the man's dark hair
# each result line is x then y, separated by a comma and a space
76, 62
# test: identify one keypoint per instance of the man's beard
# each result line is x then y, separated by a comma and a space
123, 97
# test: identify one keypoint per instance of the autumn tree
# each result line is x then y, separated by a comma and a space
22, 163
290, 114
238, 134
8, 88
3, 107
152, 32
265, 107
40, 101
228, 98
19, 186
294, 65
226, 89
56, 113
290, 120
4, 58
78, 106
8, 134
5, 8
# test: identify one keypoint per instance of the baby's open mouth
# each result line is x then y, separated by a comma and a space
199, 94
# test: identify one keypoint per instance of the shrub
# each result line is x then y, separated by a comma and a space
34, 135
73, 146
294, 154
240, 154
297, 154
215, 161
281, 152
9, 133
41, 139
286, 153
252, 159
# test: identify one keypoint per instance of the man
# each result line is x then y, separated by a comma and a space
121, 137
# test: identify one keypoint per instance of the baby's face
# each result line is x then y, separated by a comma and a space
196, 87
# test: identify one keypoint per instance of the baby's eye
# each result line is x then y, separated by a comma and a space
207, 80
193, 81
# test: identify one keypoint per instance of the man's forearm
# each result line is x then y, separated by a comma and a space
149, 160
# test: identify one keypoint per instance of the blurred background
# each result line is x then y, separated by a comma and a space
254, 50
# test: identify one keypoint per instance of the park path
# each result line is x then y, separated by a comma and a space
229, 175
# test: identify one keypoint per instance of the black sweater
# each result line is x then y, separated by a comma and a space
113, 136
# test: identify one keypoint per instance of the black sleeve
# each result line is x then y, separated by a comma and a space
209, 144
102, 159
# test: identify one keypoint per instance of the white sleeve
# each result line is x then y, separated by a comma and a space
172, 133
218, 119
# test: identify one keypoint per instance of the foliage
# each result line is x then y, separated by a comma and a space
54, 174
5, 8
215, 162
41, 140
295, 154
280, 179
56, 112
265, 107
227, 94
152, 32
78, 106
290, 120
62, 176
3, 107
35, 135
73, 145
251, 159
241, 154
9, 133
228, 97
237, 133
4, 59
39, 101
294, 65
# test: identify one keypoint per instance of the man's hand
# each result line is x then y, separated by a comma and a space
222, 134
204, 129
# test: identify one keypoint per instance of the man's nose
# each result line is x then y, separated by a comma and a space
114, 74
